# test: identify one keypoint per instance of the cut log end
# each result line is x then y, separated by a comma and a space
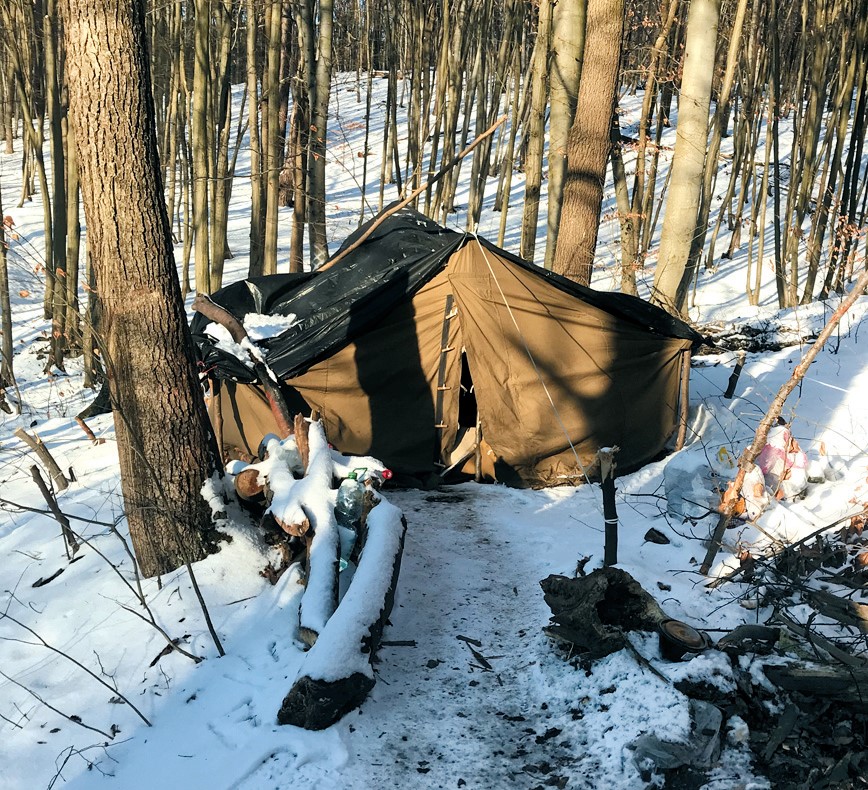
295, 530
248, 487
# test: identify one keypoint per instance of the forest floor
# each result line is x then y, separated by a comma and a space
470, 692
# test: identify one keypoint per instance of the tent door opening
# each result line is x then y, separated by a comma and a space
465, 457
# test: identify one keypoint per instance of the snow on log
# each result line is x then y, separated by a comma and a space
337, 674
313, 499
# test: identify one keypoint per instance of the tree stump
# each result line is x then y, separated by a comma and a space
593, 611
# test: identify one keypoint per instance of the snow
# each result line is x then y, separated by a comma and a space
473, 559
338, 650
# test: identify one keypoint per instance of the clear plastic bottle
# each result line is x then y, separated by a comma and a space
348, 507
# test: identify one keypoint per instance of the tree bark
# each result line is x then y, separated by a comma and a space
679, 222
589, 141
165, 444
565, 69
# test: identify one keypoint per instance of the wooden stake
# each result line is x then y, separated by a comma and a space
87, 431
610, 513
217, 406
35, 444
733, 378
301, 427
683, 400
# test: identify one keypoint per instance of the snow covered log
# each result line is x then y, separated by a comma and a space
337, 674
312, 499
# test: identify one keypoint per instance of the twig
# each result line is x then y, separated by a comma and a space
412, 196
820, 641
81, 666
205, 611
29, 509
73, 719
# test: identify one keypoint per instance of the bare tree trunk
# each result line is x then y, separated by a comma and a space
533, 165
7, 373
316, 161
166, 447
565, 69
199, 138
73, 239
271, 133
58, 197
672, 277
589, 141
257, 217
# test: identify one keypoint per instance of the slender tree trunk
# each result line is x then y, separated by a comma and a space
257, 217
672, 277
7, 373
565, 69
589, 141
73, 238
166, 447
533, 166
54, 111
316, 162
199, 137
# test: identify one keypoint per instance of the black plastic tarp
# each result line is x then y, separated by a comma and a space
395, 261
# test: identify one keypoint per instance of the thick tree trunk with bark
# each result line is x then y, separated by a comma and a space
165, 443
588, 142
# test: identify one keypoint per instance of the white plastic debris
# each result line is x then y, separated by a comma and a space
784, 464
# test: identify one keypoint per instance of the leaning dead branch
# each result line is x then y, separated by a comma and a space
751, 453
36, 444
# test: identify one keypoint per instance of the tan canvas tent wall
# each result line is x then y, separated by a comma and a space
550, 376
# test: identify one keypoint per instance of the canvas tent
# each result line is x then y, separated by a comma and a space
421, 333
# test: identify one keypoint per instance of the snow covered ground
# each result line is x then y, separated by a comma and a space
469, 693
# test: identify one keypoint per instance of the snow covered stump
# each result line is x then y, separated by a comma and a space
337, 673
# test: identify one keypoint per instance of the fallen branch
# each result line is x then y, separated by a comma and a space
73, 719
220, 315
848, 685
69, 542
35, 444
97, 678
746, 461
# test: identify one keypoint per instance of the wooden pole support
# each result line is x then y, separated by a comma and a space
610, 513
733, 377
683, 400
35, 444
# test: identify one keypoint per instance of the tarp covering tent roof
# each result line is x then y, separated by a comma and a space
421, 330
